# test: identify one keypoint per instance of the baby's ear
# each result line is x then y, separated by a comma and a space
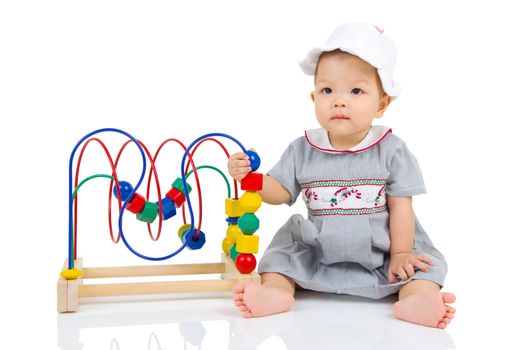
383, 104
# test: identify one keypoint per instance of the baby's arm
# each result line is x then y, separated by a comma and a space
272, 191
401, 225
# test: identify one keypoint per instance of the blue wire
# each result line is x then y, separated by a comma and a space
70, 186
192, 230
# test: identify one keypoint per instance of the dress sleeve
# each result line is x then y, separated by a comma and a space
285, 173
405, 178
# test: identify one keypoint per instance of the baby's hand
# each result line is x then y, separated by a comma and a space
402, 265
238, 165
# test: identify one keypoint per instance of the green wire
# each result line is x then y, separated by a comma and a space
74, 194
218, 171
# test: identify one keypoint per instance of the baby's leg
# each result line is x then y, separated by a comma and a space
420, 301
274, 295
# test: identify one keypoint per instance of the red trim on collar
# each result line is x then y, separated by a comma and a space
346, 151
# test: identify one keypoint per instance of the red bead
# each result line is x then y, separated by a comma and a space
176, 196
245, 263
136, 204
252, 182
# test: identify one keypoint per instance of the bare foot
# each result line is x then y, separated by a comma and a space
255, 300
428, 309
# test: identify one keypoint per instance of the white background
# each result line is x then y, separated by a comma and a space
162, 69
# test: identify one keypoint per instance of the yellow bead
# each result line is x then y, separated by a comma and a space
71, 274
226, 245
250, 201
233, 231
248, 244
183, 228
232, 208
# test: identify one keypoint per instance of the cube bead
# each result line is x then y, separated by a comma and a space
232, 208
168, 208
176, 196
178, 183
248, 244
149, 213
136, 204
252, 182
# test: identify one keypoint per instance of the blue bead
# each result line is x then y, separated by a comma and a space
168, 208
125, 188
254, 159
192, 243
231, 220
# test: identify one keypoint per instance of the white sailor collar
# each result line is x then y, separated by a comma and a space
318, 138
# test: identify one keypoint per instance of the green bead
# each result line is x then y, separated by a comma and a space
149, 213
178, 183
233, 252
248, 223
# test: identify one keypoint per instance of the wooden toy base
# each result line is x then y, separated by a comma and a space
69, 292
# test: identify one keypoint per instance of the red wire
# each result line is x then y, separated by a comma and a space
196, 176
152, 168
114, 174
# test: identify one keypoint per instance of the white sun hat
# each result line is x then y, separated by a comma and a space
368, 43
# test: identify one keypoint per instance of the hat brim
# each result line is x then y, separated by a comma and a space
309, 64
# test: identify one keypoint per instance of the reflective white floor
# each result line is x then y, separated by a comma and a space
318, 321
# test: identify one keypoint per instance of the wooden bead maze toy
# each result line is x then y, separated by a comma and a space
239, 246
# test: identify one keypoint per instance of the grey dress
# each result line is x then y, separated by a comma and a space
343, 247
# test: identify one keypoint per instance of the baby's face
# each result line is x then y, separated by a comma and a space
347, 96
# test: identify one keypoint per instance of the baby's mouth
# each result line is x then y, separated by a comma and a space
340, 117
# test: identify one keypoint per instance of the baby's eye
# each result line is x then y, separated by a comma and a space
326, 90
357, 91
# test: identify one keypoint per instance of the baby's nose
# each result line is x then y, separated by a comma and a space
340, 102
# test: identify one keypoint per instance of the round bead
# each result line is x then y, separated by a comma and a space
248, 223
245, 263
182, 229
254, 160
125, 189
227, 243
233, 231
250, 201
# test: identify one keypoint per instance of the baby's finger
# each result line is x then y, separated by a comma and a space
392, 277
425, 259
239, 163
420, 265
409, 270
402, 274
238, 155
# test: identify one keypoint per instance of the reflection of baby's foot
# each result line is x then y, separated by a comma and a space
255, 300
427, 309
